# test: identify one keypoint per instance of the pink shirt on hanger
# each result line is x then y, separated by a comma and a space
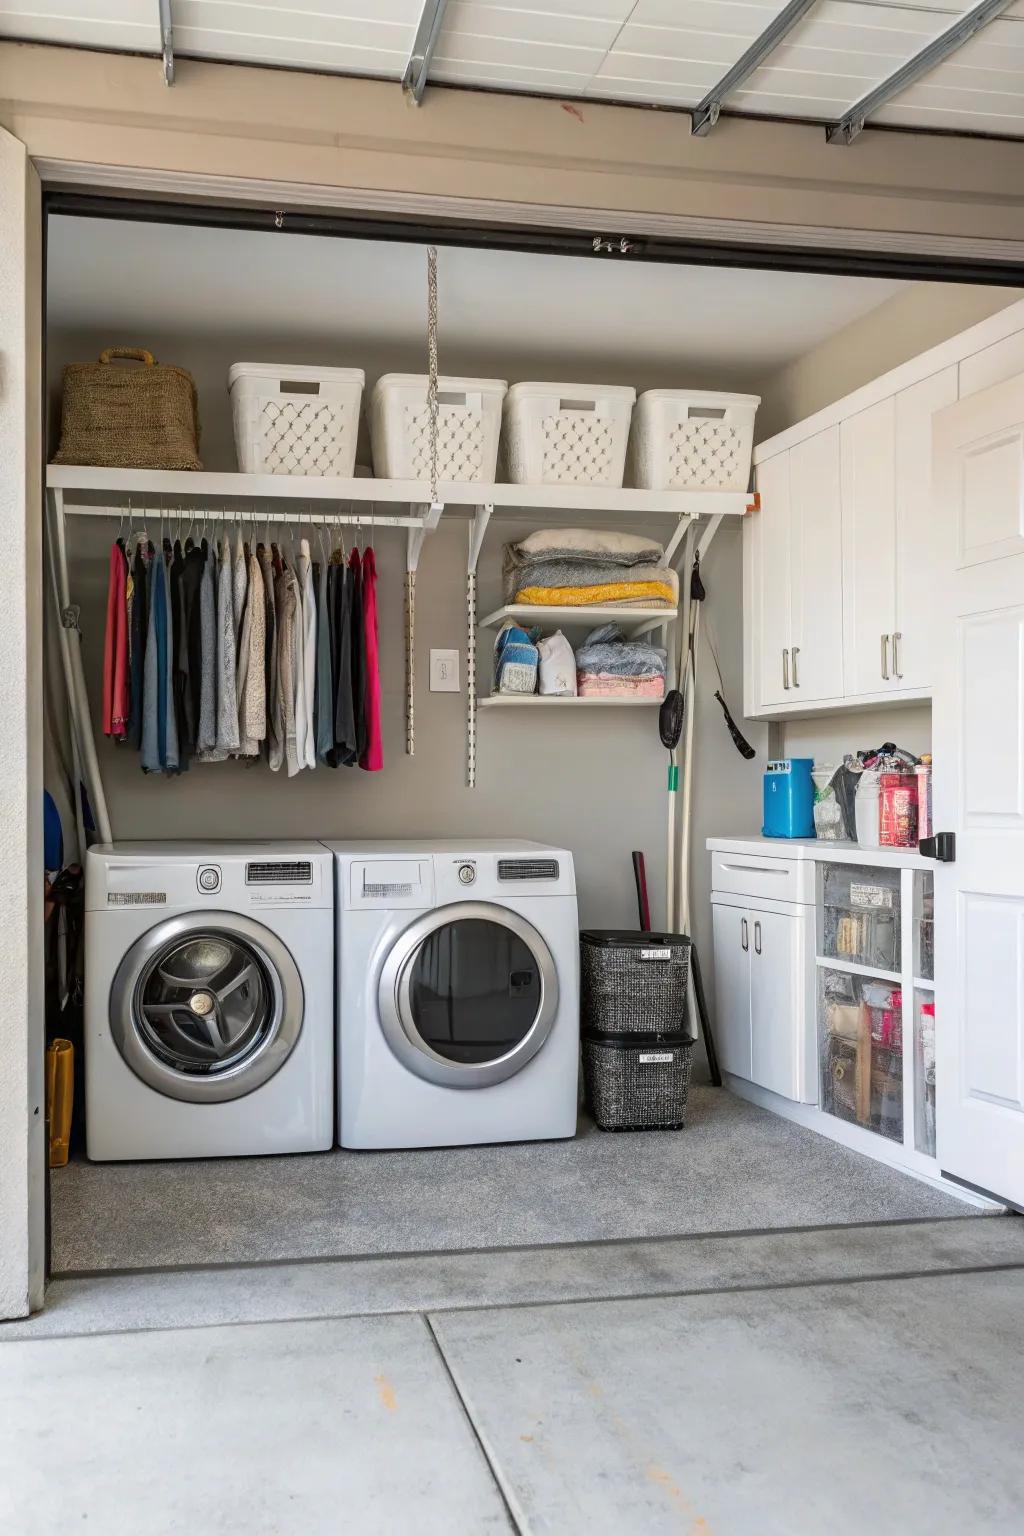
116, 691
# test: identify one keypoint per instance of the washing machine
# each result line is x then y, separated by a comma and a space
457, 994
209, 999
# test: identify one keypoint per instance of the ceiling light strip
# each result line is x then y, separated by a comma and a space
705, 114
414, 81
960, 31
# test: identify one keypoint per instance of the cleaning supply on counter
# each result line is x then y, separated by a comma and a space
868, 794
923, 772
789, 798
828, 813
897, 810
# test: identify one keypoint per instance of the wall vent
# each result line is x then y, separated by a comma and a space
527, 869
279, 872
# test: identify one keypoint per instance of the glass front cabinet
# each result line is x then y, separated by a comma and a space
876, 1001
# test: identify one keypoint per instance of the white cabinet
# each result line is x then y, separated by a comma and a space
764, 1010
913, 621
869, 545
797, 568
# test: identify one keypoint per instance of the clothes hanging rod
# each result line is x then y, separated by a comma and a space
197, 515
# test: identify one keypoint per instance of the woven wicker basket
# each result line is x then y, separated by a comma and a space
129, 418
634, 983
637, 1086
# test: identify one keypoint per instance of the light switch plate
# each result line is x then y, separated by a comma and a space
444, 671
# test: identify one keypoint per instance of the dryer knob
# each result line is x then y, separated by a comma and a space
467, 874
208, 879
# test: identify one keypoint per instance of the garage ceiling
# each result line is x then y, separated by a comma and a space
665, 52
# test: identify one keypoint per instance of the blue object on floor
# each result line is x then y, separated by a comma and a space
789, 798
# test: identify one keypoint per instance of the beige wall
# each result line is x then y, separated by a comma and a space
900, 328
329, 132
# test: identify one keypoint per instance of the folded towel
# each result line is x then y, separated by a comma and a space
515, 661
568, 571
589, 687
593, 543
606, 652
624, 594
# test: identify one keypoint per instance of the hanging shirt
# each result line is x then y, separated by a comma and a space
150, 740
270, 654
324, 671
252, 720
227, 701
116, 697
138, 627
305, 726
288, 663
206, 736
358, 654
372, 755
345, 752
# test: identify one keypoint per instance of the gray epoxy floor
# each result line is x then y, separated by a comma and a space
782, 1408
735, 1167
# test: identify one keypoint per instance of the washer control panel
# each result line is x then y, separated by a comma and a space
467, 874
208, 879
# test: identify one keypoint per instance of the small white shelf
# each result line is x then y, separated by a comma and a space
80, 482
634, 621
555, 701
848, 968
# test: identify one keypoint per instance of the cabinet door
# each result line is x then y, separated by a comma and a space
778, 1021
868, 470
915, 527
732, 988
816, 538
773, 579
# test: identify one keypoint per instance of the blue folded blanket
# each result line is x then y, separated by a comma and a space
516, 660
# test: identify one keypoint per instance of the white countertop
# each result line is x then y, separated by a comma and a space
811, 848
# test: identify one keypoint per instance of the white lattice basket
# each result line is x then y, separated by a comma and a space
295, 420
684, 439
468, 427
566, 434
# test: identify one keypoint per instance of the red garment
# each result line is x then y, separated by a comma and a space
373, 756
116, 674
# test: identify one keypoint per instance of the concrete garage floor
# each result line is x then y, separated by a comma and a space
772, 1384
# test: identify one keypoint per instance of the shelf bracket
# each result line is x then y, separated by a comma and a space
477, 531
678, 535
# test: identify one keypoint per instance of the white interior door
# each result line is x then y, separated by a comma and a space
913, 657
869, 546
774, 580
732, 988
816, 541
978, 733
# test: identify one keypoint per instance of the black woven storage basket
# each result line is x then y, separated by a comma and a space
637, 1086
634, 983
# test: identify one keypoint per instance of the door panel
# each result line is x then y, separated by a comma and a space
915, 527
869, 547
775, 1021
816, 541
732, 989
774, 578
979, 789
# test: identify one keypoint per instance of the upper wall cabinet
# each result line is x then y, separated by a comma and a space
839, 596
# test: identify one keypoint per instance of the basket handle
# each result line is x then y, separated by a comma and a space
139, 354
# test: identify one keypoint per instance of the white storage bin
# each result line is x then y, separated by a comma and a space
295, 420
567, 434
685, 439
468, 427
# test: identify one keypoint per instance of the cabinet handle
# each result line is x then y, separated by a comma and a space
785, 669
757, 938
744, 934
885, 657
896, 667
796, 679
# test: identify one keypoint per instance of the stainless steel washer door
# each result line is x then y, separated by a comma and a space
206, 1007
468, 995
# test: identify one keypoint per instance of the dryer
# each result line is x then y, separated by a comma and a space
457, 993
209, 1018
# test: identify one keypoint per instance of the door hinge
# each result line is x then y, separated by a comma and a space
942, 847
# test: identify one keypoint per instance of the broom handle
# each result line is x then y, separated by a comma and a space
643, 905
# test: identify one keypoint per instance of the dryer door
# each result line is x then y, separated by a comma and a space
468, 995
206, 1007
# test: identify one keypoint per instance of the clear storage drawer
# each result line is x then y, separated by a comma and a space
861, 916
860, 1051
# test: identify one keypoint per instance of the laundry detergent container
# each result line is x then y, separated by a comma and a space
637, 1047
566, 434
468, 427
686, 439
293, 419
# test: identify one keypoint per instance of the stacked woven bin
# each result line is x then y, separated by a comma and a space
637, 1047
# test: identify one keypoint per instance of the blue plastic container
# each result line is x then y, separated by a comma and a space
789, 798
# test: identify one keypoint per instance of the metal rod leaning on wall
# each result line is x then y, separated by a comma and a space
74, 672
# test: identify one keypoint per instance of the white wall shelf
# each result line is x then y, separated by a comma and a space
553, 701
634, 621
77, 482
849, 968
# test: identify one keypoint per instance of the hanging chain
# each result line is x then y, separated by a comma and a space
471, 680
432, 402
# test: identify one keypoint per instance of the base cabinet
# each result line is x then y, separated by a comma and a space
764, 1017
